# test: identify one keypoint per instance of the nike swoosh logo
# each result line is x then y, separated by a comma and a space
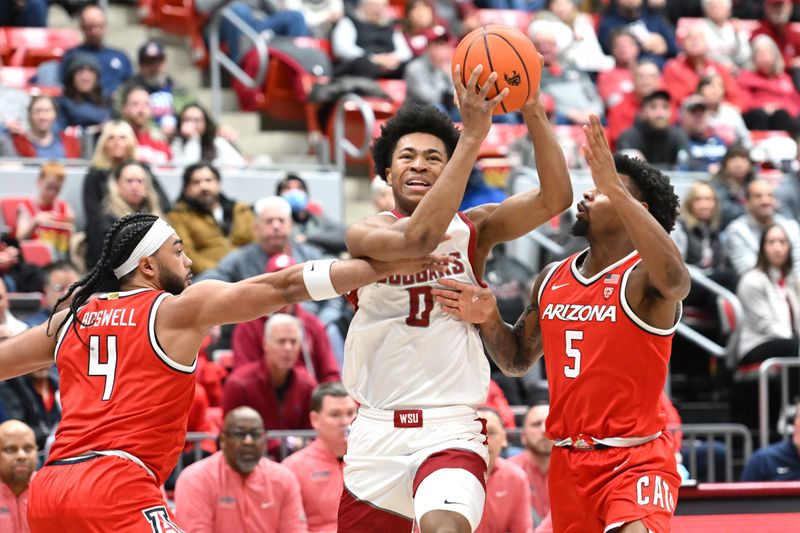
556, 287
453, 503
312, 266
621, 464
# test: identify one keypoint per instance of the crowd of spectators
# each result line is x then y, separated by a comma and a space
694, 97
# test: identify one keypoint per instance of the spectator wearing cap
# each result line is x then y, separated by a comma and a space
654, 33
237, 488
167, 96
114, 66
621, 116
317, 355
319, 466
83, 104
704, 150
152, 143
366, 43
428, 78
682, 74
310, 223
210, 224
653, 133
275, 385
777, 26
573, 91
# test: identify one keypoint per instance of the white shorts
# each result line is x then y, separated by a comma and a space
386, 464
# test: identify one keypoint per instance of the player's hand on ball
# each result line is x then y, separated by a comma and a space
599, 157
533, 101
432, 262
465, 301
476, 111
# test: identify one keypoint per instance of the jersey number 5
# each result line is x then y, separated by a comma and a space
420, 300
108, 369
574, 353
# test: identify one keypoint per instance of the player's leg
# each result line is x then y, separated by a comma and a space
569, 479
358, 516
99, 495
450, 491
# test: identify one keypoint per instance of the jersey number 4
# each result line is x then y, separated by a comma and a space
572, 371
107, 369
420, 300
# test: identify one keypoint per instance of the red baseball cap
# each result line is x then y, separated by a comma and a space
279, 262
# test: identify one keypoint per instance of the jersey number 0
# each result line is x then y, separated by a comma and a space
420, 305
108, 369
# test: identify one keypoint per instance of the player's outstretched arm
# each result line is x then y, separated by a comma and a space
30, 350
514, 349
662, 267
379, 237
522, 213
211, 302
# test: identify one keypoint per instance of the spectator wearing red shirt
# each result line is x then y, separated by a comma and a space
682, 74
507, 492
248, 337
614, 84
318, 466
776, 24
274, 386
41, 139
47, 217
237, 488
773, 101
535, 460
153, 148
17, 464
646, 80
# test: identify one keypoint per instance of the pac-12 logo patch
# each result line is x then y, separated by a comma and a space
607, 292
159, 520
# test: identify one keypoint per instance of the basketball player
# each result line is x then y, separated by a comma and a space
416, 449
604, 318
127, 362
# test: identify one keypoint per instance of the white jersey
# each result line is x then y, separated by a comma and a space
403, 351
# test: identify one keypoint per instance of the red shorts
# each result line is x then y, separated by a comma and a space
97, 495
600, 490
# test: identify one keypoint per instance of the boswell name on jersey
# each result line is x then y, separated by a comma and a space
580, 313
119, 317
456, 267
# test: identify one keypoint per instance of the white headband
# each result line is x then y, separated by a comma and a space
158, 233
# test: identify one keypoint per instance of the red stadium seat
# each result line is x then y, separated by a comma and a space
180, 18
39, 253
30, 46
498, 139
506, 17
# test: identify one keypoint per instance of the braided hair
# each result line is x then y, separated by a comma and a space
118, 245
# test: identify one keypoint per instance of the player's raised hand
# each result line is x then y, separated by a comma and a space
465, 301
433, 262
476, 111
599, 157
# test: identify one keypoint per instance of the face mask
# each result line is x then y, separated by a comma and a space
297, 198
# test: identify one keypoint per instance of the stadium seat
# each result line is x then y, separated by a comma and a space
499, 138
178, 17
27, 47
39, 253
505, 17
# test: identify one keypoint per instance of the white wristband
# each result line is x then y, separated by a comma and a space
317, 277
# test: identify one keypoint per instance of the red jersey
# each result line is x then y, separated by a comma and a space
57, 234
606, 367
122, 393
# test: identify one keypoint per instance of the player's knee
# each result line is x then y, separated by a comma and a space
439, 521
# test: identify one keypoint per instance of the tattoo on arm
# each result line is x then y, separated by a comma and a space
513, 348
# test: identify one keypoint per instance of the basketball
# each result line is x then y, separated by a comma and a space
504, 50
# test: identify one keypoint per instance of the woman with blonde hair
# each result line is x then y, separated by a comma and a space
130, 190
116, 145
